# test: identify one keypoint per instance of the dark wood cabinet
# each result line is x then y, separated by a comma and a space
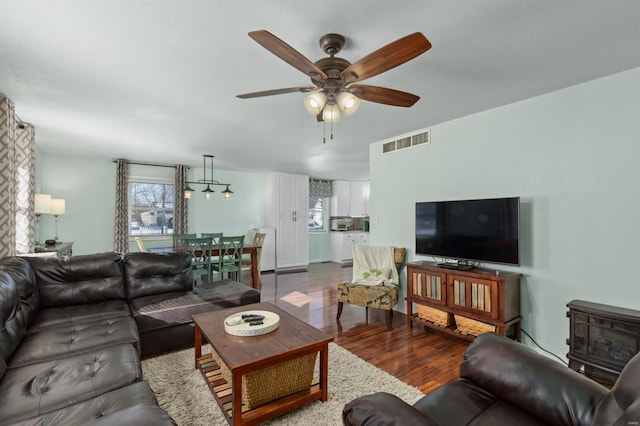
490, 297
602, 338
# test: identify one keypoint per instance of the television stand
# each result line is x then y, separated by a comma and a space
457, 266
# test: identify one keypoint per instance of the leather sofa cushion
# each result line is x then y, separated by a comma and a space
77, 280
134, 404
228, 293
37, 389
12, 328
545, 389
165, 310
76, 339
78, 314
25, 280
462, 402
147, 274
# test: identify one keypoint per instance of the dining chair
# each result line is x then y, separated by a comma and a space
215, 239
179, 241
200, 249
258, 241
230, 257
141, 247
215, 236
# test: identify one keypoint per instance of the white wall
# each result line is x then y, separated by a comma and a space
573, 157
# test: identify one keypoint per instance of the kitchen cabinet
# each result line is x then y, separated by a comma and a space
287, 207
342, 244
350, 198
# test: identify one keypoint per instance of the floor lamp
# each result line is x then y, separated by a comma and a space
57, 208
42, 205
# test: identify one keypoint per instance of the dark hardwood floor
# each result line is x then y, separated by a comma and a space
417, 357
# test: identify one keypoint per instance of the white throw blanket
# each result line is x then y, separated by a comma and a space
374, 265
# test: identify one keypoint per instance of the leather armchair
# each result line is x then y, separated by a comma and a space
505, 382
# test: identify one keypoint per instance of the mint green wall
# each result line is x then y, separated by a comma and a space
572, 156
88, 186
320, 242
319, 247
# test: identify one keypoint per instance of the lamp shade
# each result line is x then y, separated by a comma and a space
331, 113
57, 206
42, 203
348, 102
315, 102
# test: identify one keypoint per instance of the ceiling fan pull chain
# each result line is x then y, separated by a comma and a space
332, 129
324, 132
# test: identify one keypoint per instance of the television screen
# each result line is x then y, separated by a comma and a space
476, 230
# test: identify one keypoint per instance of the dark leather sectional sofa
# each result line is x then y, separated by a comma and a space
73, 332
507, 383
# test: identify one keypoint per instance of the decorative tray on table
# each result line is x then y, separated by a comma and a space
251, 323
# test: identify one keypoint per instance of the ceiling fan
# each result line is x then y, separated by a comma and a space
334, 79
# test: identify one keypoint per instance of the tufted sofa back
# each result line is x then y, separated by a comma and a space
78, 280
18, 304
146, 274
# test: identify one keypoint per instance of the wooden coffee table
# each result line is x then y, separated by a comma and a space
292, 340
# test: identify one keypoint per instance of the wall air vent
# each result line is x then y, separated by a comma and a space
404, 142
423, 138
389, 146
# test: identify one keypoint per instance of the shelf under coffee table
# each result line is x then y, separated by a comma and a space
288, 350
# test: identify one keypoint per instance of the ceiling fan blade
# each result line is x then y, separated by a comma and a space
287, 53
387, 57
277, 92
382, 95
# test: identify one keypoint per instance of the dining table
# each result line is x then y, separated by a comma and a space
215, 251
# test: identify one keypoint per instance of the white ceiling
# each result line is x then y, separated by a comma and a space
156, 80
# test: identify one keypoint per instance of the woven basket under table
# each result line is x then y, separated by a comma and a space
434, 315
471, 326
263, 386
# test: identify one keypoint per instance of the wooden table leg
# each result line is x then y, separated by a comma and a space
324, 372
236, 395
197, 344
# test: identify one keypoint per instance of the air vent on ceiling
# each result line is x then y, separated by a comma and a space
423, 138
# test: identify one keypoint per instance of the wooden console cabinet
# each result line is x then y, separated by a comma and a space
489, 296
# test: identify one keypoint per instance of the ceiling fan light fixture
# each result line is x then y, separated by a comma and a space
315, 102
348, 102
331, 113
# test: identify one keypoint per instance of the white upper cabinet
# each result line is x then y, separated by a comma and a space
293, 195
350, 198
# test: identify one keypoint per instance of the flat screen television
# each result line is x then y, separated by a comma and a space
485, 230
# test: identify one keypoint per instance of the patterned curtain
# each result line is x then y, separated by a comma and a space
121, 237
181, 207
7, 178
319, 188
25, 188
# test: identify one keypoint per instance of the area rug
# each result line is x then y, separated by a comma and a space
182, 391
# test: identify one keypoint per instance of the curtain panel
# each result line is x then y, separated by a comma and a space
319, 188
121, 235
25, 180
181, 207
17, 184
7, 179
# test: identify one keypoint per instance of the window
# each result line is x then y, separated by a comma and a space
316, 214
150, 206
